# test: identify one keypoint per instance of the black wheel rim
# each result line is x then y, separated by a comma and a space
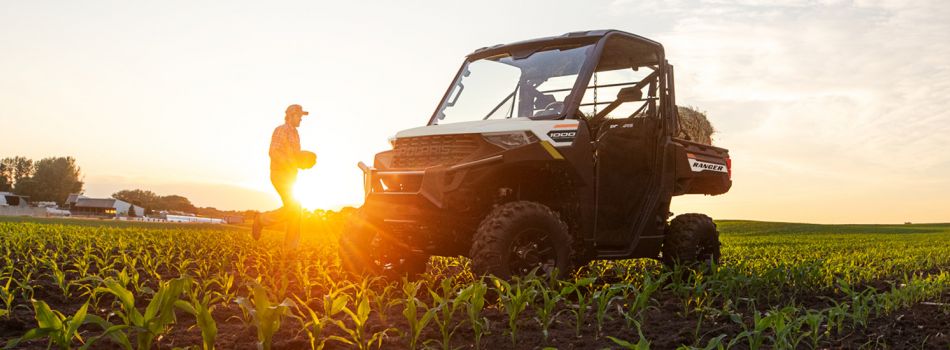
531, 249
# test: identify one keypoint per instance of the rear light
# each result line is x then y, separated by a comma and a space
729, 167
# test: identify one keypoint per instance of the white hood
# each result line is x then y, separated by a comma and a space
540, 128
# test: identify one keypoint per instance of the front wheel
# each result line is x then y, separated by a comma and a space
519, 237
691, 239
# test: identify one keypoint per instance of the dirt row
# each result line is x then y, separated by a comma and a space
925, 325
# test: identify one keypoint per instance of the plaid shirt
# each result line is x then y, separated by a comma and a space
284, 146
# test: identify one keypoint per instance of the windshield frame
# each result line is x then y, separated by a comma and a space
526, 48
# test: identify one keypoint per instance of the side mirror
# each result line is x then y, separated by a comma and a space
630, 94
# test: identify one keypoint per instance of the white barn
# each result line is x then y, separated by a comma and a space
8, 199
106, 207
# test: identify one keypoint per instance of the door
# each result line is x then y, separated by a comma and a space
626, 158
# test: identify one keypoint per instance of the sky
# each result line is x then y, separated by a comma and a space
833, 111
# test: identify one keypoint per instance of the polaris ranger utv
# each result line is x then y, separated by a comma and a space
544, 153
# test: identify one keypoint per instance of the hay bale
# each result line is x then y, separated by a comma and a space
694, 126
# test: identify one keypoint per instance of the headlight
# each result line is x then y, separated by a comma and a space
509, 140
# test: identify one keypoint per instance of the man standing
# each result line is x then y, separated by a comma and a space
285, 158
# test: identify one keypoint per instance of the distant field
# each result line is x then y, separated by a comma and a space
779, 285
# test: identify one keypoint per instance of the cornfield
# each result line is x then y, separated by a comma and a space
82, 284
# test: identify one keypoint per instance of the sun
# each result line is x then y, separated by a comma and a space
329, 187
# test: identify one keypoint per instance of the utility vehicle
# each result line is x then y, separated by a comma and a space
546, 153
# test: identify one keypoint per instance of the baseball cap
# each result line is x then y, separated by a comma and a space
296, 108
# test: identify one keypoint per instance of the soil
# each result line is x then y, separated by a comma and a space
666, 326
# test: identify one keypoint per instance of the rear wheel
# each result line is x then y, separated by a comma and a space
365, 251
691, 239
518, 237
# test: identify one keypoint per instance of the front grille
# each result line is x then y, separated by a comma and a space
426, 151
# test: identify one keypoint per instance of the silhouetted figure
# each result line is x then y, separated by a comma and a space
285, 160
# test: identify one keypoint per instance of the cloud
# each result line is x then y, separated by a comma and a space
871, 78
821, 99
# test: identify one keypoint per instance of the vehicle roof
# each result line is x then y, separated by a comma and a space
96, 202
579, 37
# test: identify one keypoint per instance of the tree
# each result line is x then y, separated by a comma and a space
13, 170
6, 180
142, 198
179, 203
54, 179
153, 202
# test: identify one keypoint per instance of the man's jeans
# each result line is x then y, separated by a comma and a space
283, 182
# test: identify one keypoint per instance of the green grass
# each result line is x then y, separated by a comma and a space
744, 227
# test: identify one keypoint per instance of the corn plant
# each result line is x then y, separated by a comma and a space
314, 322
6, 298
159, 314
59, 277
302, 275
265, 314
61, 330
755, 336
814, 320
81, 265
201, 309
445, 305
515, 297
641, 344
602, 299
224, 292
644, 295
26, 290
382, 302
785, 327
551, 295
695, 290
130, 276
473, 298
836, 315
583, 302
713, 344
411, 309
358, 334
861, 303
126, 278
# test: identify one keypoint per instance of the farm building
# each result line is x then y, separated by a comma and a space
8, 199
104, 207
192, 219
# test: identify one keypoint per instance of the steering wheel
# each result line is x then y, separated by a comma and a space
552, 109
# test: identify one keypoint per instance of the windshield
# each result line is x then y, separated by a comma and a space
503, 86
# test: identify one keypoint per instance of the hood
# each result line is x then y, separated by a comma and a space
541, 128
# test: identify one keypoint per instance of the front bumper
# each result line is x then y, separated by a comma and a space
423, 209
436, 209
431, 184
